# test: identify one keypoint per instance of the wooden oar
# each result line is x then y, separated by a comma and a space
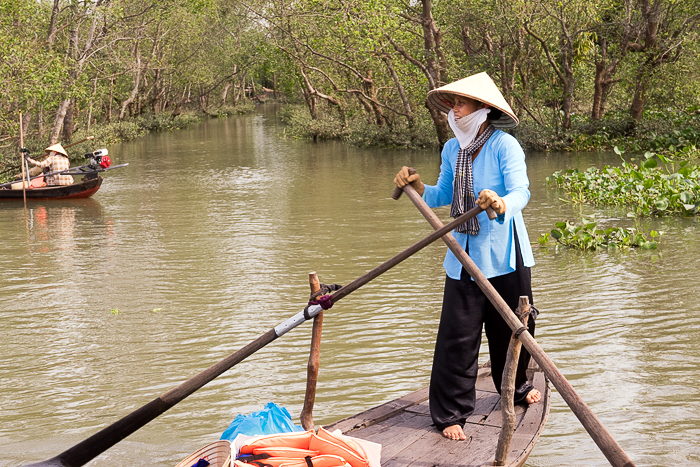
96, 444
612, 451
78, 142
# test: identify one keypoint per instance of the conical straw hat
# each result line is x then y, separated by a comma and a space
480, 87
58, 148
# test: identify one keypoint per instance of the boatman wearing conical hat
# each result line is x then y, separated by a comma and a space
481, 166
56, 160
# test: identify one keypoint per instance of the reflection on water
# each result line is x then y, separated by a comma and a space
205, 241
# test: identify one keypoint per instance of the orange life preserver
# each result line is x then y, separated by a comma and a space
298, 440
302, 449
293, 453
323, 460
37, 182
329, 444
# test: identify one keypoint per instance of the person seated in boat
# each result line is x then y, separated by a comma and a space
56, 160
481, 166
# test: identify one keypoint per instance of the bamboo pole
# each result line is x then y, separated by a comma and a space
508, 387
607, 444
306, 417
21, 146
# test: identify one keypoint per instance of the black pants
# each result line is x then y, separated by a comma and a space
465, 309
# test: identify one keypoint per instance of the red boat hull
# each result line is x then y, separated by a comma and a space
84, 189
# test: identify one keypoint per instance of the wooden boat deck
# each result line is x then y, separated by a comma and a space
404, 428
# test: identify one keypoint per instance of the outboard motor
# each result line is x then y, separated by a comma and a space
98, 159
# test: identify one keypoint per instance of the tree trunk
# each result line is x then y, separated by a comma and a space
68, 124
58, 121
40, 121
402, 91
639, 99
27, 117
429, 44
371, 90
227, 86
365, 106
111, 99
51, 35
567, 104
309, 95
224, 93
137, 82
442, 127
597, 109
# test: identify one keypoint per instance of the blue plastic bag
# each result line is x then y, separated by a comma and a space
268, 421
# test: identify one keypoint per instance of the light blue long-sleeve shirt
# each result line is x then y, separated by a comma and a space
500, 166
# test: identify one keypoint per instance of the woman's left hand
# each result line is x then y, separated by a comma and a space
489, 198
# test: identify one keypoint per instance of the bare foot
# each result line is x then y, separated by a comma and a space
454, 432
533, 396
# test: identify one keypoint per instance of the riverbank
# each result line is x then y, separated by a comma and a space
673, 132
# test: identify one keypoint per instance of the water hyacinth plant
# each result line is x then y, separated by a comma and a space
588, 237
647, 189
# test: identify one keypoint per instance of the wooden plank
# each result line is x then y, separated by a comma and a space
479, 453
398, 434
484, 407
495, 418
484, 381
379, 413
433, 449
428, 443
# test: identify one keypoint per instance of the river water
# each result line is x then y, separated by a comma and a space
205, 241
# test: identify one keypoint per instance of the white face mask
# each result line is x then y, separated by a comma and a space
466, 128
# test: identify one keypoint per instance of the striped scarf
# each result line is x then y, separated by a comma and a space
463, 191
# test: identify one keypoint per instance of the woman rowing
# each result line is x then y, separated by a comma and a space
56, 160
481, 166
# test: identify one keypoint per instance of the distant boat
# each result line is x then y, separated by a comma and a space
88, 186
82, 189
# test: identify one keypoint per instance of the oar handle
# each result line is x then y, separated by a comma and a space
411, 171
398, 190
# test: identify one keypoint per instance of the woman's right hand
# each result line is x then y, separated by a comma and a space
408, 176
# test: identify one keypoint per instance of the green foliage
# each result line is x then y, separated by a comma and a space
588, 237
357, 130
300, 125
667, 131
241, 108
648, 189
362, 68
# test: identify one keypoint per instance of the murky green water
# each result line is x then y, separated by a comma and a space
206, 240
